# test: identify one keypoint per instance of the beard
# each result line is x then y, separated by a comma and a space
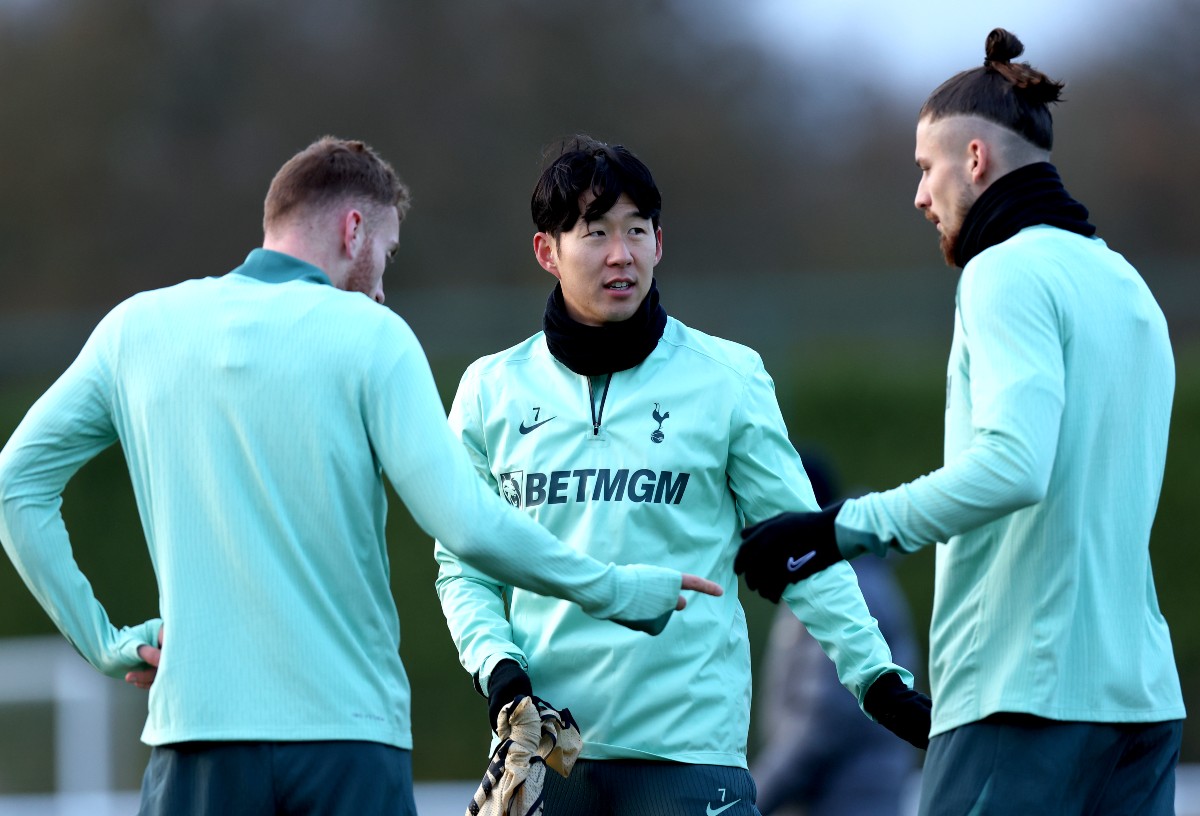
948, 240
360, 278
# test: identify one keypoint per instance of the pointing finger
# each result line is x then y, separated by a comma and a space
702, 585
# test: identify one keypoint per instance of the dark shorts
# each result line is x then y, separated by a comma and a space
1020, 764
626, 787
277, 779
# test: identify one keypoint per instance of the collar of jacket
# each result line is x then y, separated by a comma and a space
596, 350
269, 266
1028, 196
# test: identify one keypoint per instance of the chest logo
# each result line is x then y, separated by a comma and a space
524, 429
510, 486
658, 435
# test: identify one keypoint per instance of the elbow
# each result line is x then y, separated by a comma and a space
1027, 493
1019, 474
465, 545
1028, 484
6, 480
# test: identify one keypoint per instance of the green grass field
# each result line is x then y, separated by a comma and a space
879, 419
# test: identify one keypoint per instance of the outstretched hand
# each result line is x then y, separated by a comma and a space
787, 548
697, 584
144, 678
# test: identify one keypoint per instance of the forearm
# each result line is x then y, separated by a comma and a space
473, 605
832, 608
994, 477
36, 542
67, 427
430, 469
513, 549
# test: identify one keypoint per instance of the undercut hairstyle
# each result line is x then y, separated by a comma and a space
606, 171
1014, 95
330, 171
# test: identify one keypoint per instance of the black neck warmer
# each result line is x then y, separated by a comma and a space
1029, 195
595, 350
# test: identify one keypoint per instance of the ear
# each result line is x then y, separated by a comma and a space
657, 245
979, 160
354, 232
546, 252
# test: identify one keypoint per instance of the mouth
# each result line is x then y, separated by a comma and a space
619, 285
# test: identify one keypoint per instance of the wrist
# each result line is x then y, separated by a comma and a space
507, 682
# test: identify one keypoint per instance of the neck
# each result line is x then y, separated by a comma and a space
1027, 196
295, 244
595, 350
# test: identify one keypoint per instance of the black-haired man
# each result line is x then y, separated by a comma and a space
631, 435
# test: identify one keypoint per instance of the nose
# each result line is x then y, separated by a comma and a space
618, 253
923, 200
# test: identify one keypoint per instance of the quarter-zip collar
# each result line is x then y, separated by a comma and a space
269, 266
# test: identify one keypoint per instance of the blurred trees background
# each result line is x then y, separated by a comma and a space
137, 140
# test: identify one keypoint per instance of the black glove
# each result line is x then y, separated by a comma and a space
787, 548
508, 682
899, 709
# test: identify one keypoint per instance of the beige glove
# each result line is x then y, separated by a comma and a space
532, 735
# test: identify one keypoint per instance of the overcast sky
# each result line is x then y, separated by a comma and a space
925, 41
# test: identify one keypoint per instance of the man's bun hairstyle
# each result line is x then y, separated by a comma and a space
1014, 95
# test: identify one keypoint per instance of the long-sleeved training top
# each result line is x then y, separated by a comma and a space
258, 412
691, 446
1058, 401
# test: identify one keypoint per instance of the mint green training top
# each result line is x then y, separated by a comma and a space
257, 412
691, 447
1058, 402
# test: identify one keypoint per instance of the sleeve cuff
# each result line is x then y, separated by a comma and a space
484, 674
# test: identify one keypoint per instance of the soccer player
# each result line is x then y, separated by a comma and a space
258, 412
632, 436
1055, 685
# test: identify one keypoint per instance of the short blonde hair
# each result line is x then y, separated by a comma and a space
332, 170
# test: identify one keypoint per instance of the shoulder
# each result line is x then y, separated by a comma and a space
1037, 251
1036, 260
154, 306
706, 351
529, 352
157, 298
504, 368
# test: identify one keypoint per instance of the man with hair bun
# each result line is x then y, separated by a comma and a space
259, 411
1051, 666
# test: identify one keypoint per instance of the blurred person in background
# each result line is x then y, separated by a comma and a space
258, 412
818, 755
1050, 662
633, 436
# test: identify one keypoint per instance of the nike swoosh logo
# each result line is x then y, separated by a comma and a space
524, 429
709, 808
796, 563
